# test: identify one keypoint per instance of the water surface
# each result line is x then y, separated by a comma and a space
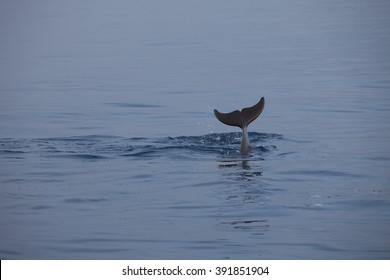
109, 148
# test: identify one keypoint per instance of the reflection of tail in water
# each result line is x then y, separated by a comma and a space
242, 119
246, 174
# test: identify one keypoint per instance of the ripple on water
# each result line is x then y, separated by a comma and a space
97, 147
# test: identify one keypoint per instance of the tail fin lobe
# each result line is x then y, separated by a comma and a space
241, 119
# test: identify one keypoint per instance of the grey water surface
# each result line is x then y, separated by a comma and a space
109, 148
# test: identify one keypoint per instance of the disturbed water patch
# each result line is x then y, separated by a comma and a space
97, 147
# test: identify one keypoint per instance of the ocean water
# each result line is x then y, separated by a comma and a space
109, 148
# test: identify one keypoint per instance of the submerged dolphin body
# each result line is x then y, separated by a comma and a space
242, 119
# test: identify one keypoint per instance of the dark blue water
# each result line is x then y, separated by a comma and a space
109, 148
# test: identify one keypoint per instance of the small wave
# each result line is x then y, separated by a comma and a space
82, 156
133, 105
11, 152
323, 173
88, 200
381, 205
41, 207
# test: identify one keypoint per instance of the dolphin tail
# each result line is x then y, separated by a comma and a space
241, 118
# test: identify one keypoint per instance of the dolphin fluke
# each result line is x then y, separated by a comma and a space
242, 119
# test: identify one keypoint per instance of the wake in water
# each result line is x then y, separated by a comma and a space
95, 147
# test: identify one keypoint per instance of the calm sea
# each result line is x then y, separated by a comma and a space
109, 148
